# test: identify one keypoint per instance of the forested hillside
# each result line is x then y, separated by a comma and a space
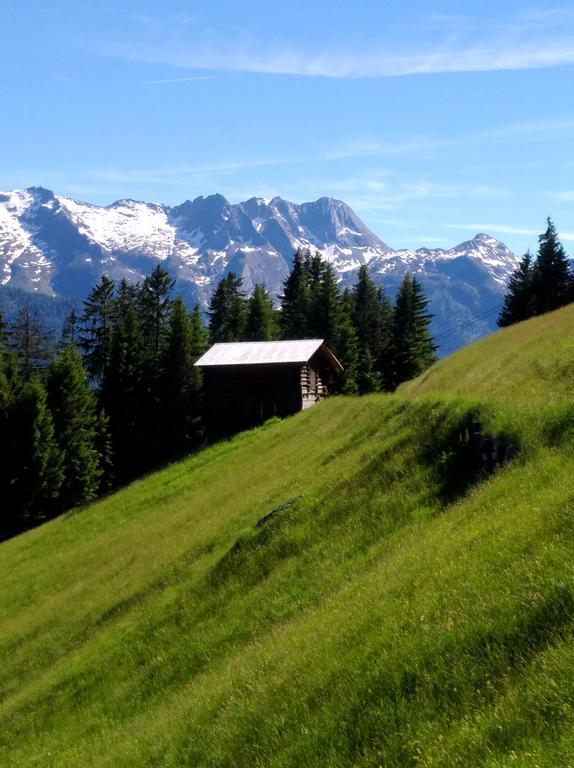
119, 393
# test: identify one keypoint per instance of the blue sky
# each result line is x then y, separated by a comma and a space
433, 121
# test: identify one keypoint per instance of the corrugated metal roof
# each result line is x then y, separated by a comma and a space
261, 352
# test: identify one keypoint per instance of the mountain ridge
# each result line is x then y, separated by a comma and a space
56, 245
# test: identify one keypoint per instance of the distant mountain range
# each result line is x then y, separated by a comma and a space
57, 246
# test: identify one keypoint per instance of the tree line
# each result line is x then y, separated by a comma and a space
540, 284
378, 344
118, 394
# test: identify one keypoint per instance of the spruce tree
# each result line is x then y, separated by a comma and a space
227, 310
426, 348
30, 342
181, 382
372, 316
551, 279
155, 306
126, 399
383, 356
346, 348
76, 422
369, 378
4, 333
199, 335
295, 300
315, 269
103, 445
519, 303
96, 324
261, 323
413, 347
9, 383
32, 475
70, 329
326, 307
198, 343
8, 518
126, 298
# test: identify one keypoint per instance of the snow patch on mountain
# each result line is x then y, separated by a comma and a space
125, 226
56, 245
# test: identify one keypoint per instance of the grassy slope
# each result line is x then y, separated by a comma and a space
532, 362
397, 614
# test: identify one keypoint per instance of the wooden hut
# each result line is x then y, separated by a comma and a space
248, 382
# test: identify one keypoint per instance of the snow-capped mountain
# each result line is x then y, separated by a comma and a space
58, 246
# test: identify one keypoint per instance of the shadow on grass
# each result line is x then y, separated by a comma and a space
410, 460
256, 554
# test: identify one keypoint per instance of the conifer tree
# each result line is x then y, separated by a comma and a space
261, 324
198, 342
425, 346
346, 348
75, 414
4, 333
372, 311
383, 356
315, 269
295, 300
126, 298
70, 329
325, 306
199, 335
413, 347
103, 444
519, 301
7, 380
155, 306
96, 324
5, 392
30, 342
551, 279
7, 360
32, 475
368, 379
227, 310
314, 265
126, 399
181, 382
372, 316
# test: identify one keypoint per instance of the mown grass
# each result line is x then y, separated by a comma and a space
403, 610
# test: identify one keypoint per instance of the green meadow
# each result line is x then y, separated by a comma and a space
401, 608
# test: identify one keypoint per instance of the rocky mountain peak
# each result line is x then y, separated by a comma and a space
57, 245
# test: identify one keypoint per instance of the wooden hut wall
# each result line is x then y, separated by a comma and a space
324, 375
242, 396
312, 388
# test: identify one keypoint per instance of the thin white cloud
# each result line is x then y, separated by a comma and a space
487, 57
529, 131
375, 191
432, 43
177, 174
